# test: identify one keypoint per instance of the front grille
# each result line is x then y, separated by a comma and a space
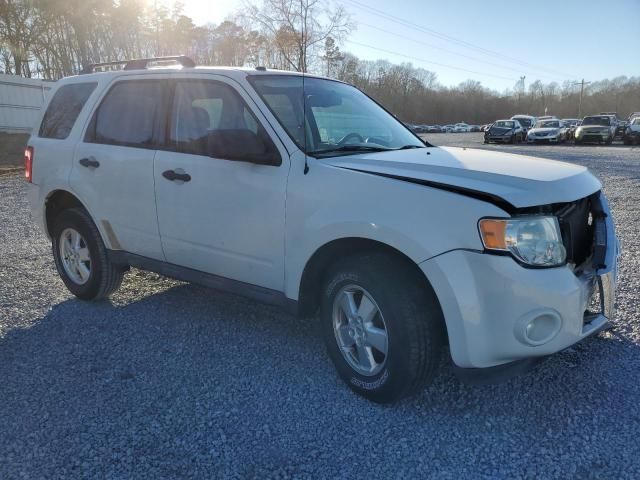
577, 226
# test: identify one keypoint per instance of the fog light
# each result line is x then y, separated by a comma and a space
538, 328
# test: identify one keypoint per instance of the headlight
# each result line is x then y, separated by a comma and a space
534, 240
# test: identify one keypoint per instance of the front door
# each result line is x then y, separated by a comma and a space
216, 214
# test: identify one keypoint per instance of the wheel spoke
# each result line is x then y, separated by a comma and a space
348, 304
76, 240
365, 357
377, 338
83, 271
367, 309
83, 254
68, 242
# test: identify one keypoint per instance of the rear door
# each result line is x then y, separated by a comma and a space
113, 164
228, 217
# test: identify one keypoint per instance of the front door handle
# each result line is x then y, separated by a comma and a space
173, 176
89, 162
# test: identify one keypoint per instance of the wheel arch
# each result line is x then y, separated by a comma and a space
57, 201
331, 252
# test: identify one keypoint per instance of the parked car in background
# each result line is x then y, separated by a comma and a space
621, 127
632, 132
547, 117
551, 131
485, 127
434, 129
504, 131
596, 128
475, 128
571, 124
633, 115
527, 121
461, 127
448, 128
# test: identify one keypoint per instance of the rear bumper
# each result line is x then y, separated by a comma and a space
37, 205
490, 301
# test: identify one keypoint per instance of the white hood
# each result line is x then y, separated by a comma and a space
520, 180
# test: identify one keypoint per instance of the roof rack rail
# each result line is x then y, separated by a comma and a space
139, 63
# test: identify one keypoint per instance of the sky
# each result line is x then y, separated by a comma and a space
494, 42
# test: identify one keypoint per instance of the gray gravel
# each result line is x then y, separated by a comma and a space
169, 380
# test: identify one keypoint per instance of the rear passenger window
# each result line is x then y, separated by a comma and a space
63, 110
128, 114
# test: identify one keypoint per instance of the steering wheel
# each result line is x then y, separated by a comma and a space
344, 139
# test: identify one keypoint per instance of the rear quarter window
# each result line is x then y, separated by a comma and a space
64, 108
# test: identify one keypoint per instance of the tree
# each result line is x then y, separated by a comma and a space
331, 55
299, 28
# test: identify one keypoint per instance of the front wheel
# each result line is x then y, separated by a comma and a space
81, 257
382, 326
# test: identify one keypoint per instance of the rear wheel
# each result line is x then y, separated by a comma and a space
383, 329
81, 257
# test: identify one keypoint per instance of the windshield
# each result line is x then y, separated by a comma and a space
635, 121
605, 121
549, 124
504, 124
525, 122
339, 120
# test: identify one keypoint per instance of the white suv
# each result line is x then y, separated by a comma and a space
303, 192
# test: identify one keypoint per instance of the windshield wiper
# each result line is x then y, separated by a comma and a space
407, 147
351, 148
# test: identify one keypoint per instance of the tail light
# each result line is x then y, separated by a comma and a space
28, 164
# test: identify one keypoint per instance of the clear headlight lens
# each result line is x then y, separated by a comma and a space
534, 240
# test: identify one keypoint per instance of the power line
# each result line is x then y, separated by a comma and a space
451, 39
447, 50
417, 59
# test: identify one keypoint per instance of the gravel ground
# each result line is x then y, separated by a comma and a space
170, 380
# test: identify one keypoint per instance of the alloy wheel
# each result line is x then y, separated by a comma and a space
360, 330
74, 255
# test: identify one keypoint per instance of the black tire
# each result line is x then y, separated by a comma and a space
512, 139
609, 141
104, 277
578, 142
413, 320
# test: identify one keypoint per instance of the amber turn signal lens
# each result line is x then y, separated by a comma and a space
493, 233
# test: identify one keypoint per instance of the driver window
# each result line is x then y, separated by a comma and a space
210, 118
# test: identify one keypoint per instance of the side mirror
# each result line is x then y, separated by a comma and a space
243, 146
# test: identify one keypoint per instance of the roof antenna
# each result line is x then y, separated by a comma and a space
304, 93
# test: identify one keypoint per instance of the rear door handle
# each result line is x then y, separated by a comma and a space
173, 176
89, 162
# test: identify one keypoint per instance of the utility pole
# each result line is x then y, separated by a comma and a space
521, 89
582, 84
